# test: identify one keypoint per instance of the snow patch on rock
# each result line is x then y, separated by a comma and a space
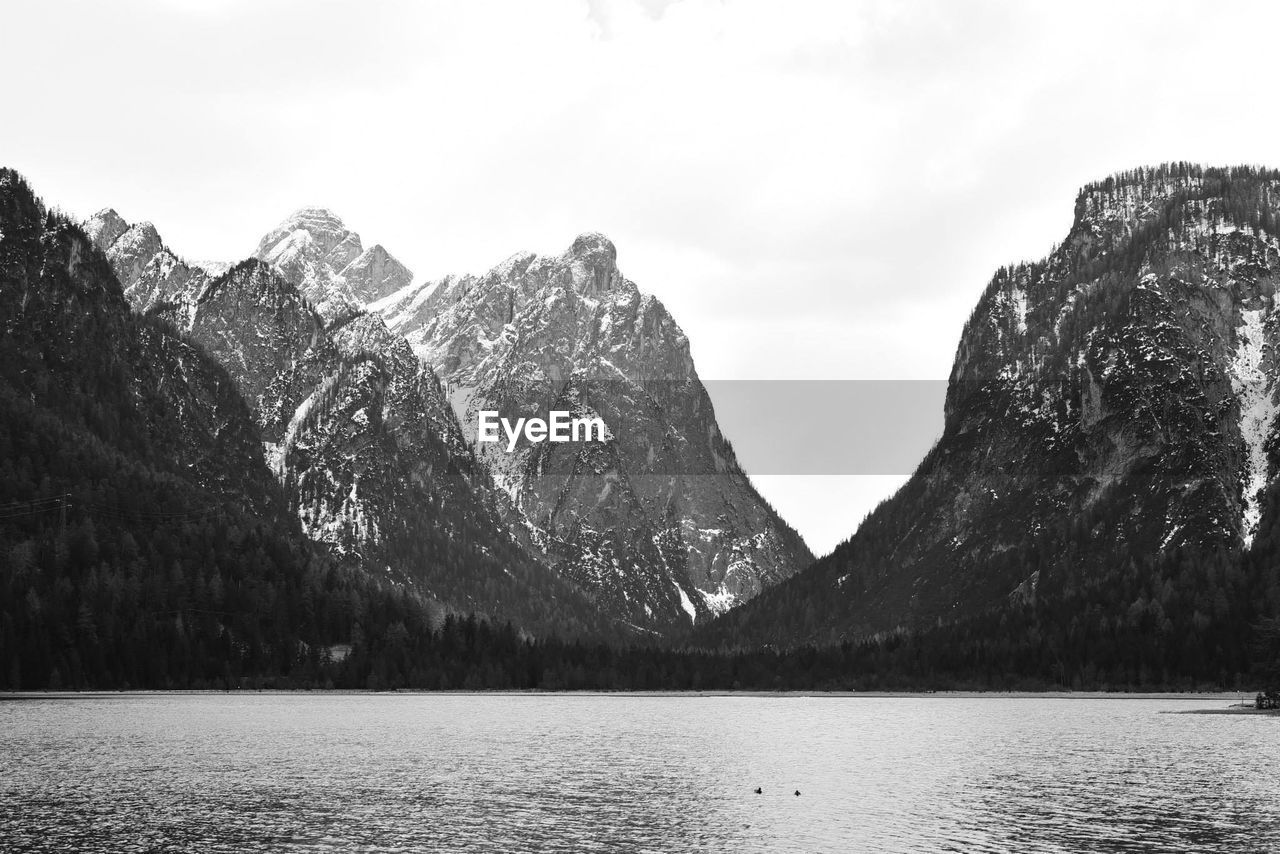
1258, 411
686, 603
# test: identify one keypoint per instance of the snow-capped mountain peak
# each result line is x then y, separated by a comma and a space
314, 249
659, 524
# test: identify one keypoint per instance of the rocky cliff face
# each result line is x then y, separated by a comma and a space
354, 426
1111, 409
659, 524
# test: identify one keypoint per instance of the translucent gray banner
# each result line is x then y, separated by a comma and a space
668, 427
829, 427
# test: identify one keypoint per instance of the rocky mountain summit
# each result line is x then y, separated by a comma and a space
659, 523
148, 271
329, 264
1110, 433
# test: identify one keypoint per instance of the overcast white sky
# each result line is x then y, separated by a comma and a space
816, 190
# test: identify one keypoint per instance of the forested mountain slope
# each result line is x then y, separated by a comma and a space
143, 541
1104, 487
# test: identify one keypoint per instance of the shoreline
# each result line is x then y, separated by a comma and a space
1230, 710
1225, 696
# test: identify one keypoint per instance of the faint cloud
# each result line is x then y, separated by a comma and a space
607, 15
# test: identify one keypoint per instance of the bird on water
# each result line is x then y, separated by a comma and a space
759, 791
797, 793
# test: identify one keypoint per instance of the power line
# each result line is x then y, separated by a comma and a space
31, 503
29, 508
51, 498
62, 503
150, 515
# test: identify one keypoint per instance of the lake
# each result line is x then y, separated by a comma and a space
423, 772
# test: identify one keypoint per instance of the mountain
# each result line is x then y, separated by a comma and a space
329, 264
225, 488
143, 540
659, 524
658, 527
355, 429
1104, 489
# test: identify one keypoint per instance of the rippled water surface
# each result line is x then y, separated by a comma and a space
633, 773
